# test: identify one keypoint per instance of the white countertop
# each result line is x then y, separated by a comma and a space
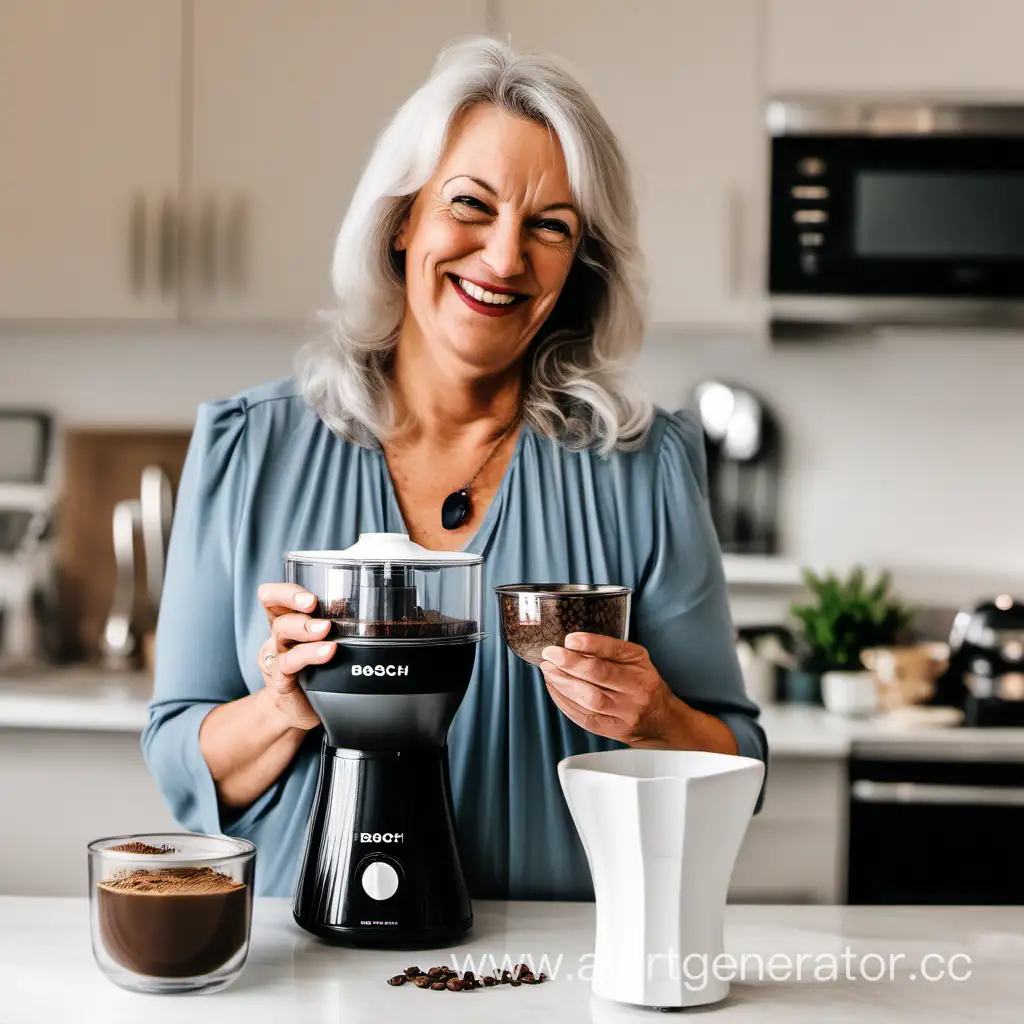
75, 698
47, 973
93, 699
796, 731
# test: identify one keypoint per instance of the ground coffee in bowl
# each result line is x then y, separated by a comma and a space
171, 913
415, 624
173, 922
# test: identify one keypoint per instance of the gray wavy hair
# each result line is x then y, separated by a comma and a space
576, 385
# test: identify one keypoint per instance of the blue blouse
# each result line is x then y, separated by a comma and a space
264, 475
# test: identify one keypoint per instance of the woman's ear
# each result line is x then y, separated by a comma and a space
397, 254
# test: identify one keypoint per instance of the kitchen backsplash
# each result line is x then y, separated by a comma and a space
902, 451
101, 468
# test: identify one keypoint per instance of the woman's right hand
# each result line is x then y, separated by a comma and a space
295, 641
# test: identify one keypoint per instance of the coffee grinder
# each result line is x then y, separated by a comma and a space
380, 867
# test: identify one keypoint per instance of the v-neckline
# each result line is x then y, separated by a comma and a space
486, 527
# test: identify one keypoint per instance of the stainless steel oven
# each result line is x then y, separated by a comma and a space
896, 213
936, 828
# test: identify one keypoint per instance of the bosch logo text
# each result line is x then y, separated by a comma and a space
381, 837
380, 670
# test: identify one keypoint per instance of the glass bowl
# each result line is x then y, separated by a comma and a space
171, 912
538, 615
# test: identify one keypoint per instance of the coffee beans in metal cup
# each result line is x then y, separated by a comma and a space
539, 615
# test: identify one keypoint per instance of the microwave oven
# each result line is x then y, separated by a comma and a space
889, 213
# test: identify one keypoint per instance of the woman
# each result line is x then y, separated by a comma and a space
489, 299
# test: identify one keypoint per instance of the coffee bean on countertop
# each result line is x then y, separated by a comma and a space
445, 978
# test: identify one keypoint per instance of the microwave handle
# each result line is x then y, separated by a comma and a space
865, 791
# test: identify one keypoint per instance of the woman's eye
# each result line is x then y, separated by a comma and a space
470, 201
478, 206
555, 225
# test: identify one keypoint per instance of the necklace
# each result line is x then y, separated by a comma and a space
457, 506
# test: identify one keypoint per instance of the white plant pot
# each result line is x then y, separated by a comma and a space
661, 830
852, 694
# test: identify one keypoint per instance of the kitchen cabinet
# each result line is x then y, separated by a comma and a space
131, 189
90, 118
678, 81
59, 790
287, 101
902, 46
795, 849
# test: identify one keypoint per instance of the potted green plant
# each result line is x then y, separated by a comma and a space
841, 618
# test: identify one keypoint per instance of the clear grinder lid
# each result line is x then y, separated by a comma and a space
385, 588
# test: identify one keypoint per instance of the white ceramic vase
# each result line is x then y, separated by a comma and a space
851, 694
661, 830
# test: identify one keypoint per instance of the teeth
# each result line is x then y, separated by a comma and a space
481, 295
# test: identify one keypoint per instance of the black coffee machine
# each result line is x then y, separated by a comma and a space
986, 668
743, 446
381, 867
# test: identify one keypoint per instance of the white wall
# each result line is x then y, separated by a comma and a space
145, 376
905, 451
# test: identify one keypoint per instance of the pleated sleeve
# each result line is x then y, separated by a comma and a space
196, 659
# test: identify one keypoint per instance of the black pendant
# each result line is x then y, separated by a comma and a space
455, 509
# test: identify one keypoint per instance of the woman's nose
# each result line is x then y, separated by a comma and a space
503, 252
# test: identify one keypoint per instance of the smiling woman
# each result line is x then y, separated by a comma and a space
498, 172
471, 389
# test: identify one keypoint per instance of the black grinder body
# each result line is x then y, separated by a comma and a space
380, 866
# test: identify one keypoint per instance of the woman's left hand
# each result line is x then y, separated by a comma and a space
609, 687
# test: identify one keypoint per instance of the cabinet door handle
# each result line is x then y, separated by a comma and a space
168, 250
734, 234
137, 245
236, 230
207, 244
865, 791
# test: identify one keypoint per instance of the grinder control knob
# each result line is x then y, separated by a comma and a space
379, 880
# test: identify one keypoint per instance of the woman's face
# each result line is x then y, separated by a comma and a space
489, 240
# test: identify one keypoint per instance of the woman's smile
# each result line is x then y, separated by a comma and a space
484, 300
